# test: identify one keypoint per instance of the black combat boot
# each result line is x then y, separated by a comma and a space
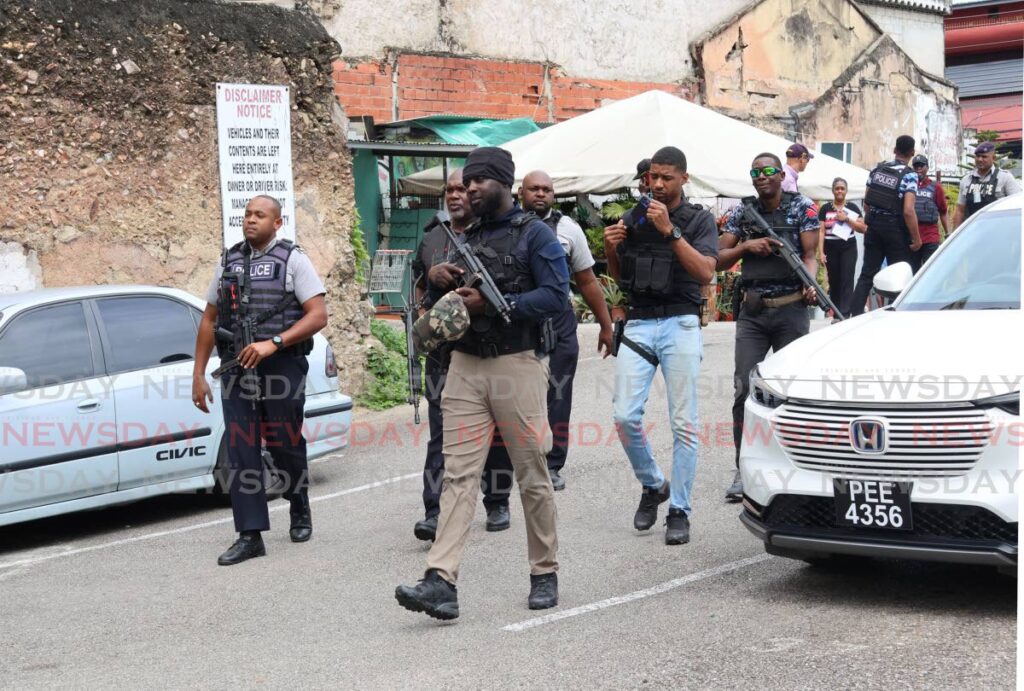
425, 529
677, 527
433, 596
498, 518
543, 591
647, 513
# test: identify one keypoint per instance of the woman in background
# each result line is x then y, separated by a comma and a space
837, 245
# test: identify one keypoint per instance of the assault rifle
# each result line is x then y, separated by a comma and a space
476, 276
783, 249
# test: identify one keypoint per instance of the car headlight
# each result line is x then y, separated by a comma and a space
762, 392
1008, 402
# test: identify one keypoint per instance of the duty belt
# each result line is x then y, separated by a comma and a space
658, 311
783, 300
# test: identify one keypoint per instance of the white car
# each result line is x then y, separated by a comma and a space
897, 433
96, 406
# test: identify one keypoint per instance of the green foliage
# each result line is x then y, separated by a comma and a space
613, 295
389, 374
581, 309
359, 248
595, 241
727, 282
615, 209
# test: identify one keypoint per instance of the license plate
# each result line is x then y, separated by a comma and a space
873, 504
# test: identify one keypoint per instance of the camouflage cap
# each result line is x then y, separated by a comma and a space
447, 320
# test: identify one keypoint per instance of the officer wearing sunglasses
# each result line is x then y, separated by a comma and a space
773, 309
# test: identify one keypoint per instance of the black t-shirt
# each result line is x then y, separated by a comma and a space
702, 233
827, 213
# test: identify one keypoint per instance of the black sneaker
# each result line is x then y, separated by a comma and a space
647, 513
247, 546
735, 492
543, 591
498, 518
433, 596
426, 529
557, 481
677, 527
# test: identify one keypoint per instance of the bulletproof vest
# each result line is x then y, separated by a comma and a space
488, 335
773, 268
985, 191
884, 186
924, 204
552, 220
272, 308
648, 264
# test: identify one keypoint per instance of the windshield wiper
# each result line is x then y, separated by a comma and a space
956, 304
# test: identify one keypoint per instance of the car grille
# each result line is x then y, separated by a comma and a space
947, 521
923, 441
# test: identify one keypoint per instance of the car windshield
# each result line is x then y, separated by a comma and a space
980, 269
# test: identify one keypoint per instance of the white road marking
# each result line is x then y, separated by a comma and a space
638, 594
198, 526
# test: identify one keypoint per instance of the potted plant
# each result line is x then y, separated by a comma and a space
614, 296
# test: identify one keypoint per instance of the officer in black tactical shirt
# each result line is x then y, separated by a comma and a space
773, 311
271, 284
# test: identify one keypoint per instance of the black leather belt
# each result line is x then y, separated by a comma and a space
659, 311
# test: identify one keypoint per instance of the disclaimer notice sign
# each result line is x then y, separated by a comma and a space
254, 138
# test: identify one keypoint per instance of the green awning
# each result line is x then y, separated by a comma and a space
477, 132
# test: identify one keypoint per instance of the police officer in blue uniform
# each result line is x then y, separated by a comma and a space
892, 234
270, 284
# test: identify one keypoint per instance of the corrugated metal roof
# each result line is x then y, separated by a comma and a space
939, 6
988, 78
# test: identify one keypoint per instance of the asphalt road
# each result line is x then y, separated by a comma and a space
132, 596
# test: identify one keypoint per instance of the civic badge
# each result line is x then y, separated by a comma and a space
869, 435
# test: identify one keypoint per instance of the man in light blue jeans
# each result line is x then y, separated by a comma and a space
661, 253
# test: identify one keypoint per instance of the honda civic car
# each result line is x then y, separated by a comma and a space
96, 406
897, 433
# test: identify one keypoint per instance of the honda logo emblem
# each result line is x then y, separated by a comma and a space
869, 436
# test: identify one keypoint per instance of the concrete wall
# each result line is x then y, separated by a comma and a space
780, 54
600, 39
882, 98
920, 34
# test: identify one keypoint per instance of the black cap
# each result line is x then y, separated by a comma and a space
919, 160
642, 168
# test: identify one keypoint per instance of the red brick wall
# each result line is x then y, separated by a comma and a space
428, 85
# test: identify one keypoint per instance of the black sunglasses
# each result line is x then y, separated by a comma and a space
768, 171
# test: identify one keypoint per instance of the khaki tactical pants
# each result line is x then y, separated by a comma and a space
510, 392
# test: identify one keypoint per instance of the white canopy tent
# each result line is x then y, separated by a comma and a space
597, 152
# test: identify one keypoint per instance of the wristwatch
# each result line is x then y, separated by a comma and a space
676, 234
278, 341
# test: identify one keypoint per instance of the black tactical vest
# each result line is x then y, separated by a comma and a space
648, 264
924, 204
884, 186
488, 335
986, 192
773, 268
271, 307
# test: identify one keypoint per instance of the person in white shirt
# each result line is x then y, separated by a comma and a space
837, 245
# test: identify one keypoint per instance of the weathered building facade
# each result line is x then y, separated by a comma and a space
800, 68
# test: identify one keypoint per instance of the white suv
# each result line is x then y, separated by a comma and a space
96, 406
897, 433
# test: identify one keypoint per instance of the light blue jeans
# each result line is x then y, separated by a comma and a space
678, 345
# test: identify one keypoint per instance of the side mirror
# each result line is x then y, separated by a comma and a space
890, 281
12, 379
